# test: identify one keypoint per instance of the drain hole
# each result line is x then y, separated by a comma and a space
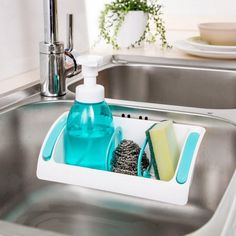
128, 116
140, 117
145, 118
123, 115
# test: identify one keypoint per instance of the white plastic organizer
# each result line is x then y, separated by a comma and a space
51, 165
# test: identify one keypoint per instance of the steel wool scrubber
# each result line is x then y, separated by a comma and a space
125, 158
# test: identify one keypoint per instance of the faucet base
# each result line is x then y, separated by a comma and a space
52, 69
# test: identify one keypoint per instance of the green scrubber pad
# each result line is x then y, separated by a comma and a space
164, 149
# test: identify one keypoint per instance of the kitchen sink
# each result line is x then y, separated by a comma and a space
189, 86
26, 200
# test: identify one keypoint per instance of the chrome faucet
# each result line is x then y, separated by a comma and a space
54, 69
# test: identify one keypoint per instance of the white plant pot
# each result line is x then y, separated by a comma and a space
132, 28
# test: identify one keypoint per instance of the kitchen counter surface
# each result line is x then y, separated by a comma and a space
15, 82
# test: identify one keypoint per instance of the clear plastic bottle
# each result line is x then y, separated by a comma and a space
88, 133
89, 126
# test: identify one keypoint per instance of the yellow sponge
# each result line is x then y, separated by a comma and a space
164, 149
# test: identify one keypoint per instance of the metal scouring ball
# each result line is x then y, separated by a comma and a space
125, 158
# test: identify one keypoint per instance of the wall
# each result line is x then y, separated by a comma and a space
180, 15
21, 26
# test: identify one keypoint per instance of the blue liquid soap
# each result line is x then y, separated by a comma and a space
88, 133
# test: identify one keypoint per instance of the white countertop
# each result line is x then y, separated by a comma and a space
18, 81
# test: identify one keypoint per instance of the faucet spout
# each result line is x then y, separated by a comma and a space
53, 67
50, 21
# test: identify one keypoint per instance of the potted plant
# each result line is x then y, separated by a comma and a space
128, 23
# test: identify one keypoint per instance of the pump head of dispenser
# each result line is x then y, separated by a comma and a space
90, 92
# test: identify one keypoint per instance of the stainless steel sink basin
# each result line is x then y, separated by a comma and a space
173, 85
78, 211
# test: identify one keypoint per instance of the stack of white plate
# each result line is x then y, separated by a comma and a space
196, 46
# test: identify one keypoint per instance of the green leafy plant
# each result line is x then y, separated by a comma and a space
113, 16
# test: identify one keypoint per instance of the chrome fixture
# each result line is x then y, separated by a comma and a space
54, 69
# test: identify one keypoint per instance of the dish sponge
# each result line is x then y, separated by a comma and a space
164, 149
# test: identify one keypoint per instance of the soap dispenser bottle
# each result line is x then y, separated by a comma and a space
89, 126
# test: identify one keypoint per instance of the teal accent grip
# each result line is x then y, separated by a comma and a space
187, 156
140, 157
146, 172
52, 138
113, 144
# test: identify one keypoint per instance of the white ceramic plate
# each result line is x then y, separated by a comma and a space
188, 48
203, 45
